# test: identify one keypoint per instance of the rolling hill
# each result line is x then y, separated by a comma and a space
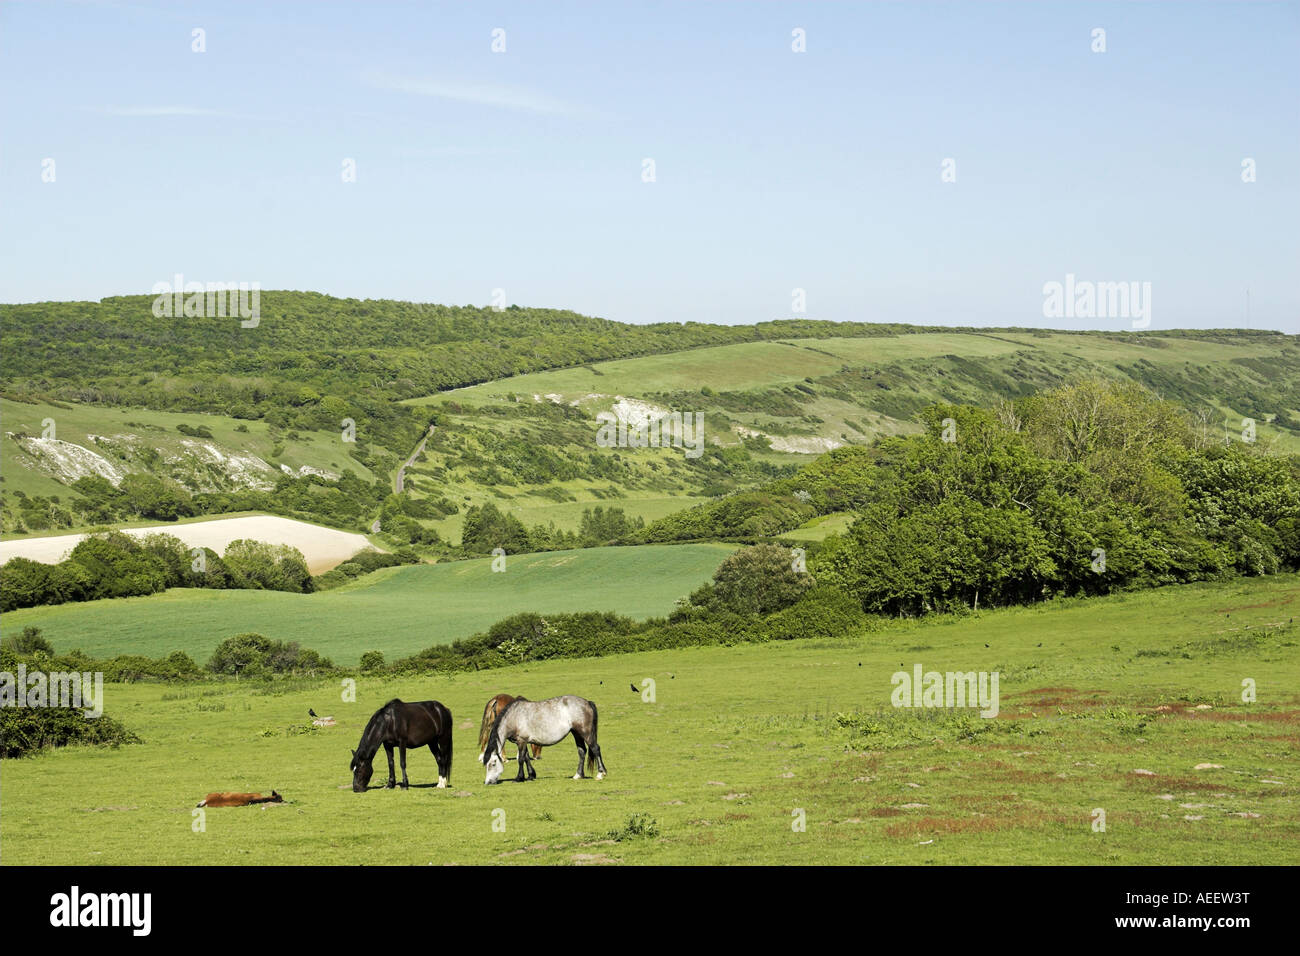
515, 397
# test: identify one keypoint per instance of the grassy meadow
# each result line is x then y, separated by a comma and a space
749, 365
397, 610
737, 741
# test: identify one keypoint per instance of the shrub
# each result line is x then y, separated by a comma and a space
821, 612
27, 730
759, 580
30, 641
272, 567
488, 527
639, 826
242, 654
253, 655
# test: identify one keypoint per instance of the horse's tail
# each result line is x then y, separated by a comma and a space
591, 756
493, 735
444, 740
489, 714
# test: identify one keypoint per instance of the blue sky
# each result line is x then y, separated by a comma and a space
775, 170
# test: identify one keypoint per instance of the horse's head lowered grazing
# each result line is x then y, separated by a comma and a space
362, 771
401, 725
543, 722
494, 764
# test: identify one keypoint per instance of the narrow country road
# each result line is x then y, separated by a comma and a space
399, 480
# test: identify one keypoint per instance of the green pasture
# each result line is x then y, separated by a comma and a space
740, 745
745, 365
749, 365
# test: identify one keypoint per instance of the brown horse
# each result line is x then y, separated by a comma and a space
230, 799
494, 707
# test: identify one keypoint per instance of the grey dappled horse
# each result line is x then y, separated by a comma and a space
543, 722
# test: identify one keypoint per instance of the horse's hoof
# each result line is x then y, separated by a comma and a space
600, 776
577, 776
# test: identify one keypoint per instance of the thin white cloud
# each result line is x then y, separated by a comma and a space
502, 97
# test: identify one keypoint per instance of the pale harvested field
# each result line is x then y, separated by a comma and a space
324, 548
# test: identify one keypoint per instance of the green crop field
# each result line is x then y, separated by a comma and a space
566, 515
1109, 704
396, 610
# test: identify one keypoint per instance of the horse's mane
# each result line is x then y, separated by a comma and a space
496, 726
489, 719
369, 742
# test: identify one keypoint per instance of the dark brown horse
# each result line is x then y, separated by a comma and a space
402, 725
494, 706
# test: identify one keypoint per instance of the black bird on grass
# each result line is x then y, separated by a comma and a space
634, 690
311, 712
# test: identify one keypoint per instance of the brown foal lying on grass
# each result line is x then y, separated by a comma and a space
228, 798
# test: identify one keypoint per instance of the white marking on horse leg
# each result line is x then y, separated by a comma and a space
577, 776
442, 782
600, 776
